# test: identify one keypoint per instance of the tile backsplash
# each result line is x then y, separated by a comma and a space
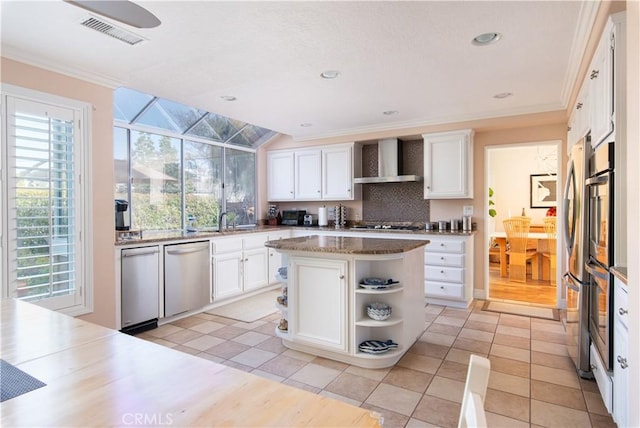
395, 201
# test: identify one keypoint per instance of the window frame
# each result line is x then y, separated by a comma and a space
83, 297
117, 123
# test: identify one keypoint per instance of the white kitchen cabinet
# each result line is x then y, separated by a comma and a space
337, 173
280, 175
620, 354
240, 264
580, 119
308, 175
448, 270
601, 86
318, 304
318, 173
227, 275
448, 165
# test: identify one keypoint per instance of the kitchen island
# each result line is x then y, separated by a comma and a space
96, 376
329, 289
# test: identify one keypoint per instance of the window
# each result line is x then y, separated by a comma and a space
173, 162
44, 209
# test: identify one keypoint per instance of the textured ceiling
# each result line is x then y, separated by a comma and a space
412, 57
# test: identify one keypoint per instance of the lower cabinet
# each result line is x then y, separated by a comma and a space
448, 270
239, 264
327, 306
318, 304
620, 354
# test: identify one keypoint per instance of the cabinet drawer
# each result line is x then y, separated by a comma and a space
227, 245
621, 304
442, 289
444, 259
447, 274
602, 378
254, 241
440, 246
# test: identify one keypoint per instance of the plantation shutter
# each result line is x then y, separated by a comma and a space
44, 257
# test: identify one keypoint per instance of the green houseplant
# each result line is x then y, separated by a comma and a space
492, 211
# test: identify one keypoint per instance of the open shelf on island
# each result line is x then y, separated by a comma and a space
395, 289
368, 322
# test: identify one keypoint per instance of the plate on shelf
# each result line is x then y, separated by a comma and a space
377, 346
378, 286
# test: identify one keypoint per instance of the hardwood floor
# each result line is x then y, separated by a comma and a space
536, 292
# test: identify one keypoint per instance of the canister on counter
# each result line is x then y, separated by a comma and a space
466, 223
455, 224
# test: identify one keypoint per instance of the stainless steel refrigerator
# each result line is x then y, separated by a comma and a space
575, 279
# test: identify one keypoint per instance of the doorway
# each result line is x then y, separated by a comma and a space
523, 180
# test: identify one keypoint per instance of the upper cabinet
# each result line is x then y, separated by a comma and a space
603, 90
308, 175
318, 173
448, 165
601, 86
579, 120
280, 175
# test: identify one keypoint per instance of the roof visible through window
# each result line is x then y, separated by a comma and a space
135, 107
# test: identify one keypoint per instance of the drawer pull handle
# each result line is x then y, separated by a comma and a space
622, 362
442, 244
442, 287
594, 74
441, 258
442, 272
623, 311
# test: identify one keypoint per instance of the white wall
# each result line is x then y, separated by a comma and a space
509, 174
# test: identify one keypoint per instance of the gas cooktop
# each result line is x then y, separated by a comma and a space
393, 227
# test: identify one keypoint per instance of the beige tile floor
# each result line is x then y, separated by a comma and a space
533, 382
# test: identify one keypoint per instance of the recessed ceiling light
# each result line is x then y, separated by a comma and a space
330, 74
228, 97
306, 125
485, 39
390, 112
502, 95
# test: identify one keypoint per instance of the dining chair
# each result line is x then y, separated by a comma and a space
517, 230
549, 255
472, 412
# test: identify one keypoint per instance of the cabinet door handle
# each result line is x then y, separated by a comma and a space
442, 244
622, 362
246, 260
348, 190
442, 287
594, 74
441, 258
578, 106
341, 277
623, 311
442, 272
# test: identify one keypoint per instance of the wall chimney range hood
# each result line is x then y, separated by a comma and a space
389, 165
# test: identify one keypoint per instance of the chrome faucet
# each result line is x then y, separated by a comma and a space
222, 215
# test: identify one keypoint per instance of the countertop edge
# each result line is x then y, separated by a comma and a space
620, 272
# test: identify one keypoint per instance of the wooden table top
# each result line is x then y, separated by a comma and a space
96, 376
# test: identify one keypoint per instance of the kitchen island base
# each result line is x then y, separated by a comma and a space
327, 298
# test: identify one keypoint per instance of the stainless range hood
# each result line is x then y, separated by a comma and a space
389, 165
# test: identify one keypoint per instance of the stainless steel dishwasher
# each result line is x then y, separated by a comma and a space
140, 284
187, 277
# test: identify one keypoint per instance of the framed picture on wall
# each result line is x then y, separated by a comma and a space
543, 190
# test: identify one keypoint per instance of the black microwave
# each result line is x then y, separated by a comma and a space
293, 217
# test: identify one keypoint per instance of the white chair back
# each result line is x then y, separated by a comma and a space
472, 411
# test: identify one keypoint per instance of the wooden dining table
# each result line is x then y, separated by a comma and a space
95, 376
501, 239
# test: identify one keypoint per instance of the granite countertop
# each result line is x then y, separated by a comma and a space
173, 235
620, 272
176, 235
346, 245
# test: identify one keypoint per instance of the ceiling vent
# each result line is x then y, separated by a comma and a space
111, 30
